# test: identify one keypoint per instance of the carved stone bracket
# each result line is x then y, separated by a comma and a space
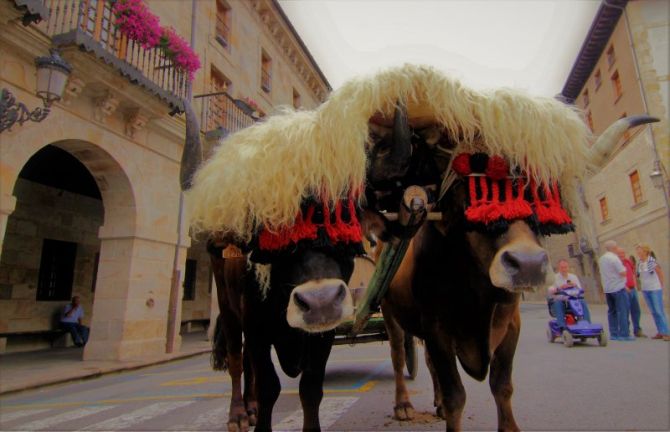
105, 106
73, 89
136, 120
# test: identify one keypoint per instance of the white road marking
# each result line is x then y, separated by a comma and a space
62, 418
330, 410
134, 417
214, 419
7, 417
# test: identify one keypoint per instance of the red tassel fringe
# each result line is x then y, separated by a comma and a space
304, 228
501, 204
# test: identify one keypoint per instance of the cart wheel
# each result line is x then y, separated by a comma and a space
602, 338
411, 356
568, 341
550, 335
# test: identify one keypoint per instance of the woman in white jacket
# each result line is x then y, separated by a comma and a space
652, 281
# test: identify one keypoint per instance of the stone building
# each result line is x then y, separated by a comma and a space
89, 196
621, 70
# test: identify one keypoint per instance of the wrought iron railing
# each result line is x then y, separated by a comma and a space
221, 111
90, 23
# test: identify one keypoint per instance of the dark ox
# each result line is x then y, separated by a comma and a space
307, 298
459, 289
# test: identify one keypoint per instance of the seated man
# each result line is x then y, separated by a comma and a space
70, 321
564, 280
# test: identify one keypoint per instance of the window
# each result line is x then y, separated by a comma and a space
266, 72
604, 213
597, 78
616, 83
223, 20
635, 186
585, 98
56, 270
296, 99
589, 120
189, 279
217, 111
611, 57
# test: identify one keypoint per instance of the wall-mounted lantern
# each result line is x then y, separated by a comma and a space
52, 74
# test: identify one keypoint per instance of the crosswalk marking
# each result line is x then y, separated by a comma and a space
212, 419
62, 418
7, 417
330, 410
134, 417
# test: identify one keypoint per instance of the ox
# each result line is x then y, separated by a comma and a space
290, 200
458, 288
307, 297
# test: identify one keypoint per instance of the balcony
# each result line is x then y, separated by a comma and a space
223, 115
87, 26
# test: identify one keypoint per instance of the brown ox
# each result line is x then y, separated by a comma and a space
459, 289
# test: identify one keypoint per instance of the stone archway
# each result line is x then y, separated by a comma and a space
138, 183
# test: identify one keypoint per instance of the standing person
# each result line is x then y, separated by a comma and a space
631, 292
651, 279
613, 278
563, 281
70, 321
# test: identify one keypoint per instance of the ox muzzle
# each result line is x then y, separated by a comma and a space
319, 306
522, 266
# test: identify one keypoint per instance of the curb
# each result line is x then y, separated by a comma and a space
100, 372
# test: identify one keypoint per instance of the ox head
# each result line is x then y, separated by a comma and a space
312, 262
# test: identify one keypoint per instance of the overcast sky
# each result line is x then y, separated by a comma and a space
529, 44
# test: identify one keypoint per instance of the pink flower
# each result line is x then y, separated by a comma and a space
179, 51
138, 23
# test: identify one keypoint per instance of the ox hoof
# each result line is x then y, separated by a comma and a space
404, 411
253, 416
241, 425
439, 411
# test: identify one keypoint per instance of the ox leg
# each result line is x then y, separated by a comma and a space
238, 421
437, 393
311, 381
500, 379
249, 389
266, 384
403, 409
451, 387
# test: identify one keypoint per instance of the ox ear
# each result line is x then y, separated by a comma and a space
607, 141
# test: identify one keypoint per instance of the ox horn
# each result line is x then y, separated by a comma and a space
192, 155
605, 144
402, 145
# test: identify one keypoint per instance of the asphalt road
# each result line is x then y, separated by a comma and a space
624, 386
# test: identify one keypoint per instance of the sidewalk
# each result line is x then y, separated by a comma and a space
28, 370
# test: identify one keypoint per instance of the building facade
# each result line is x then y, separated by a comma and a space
89, 197
622, 70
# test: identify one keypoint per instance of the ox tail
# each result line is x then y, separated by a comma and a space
219, 351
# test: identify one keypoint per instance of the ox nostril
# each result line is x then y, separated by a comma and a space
511, 262
341, 293
301, 302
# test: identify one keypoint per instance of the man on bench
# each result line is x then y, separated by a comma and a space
70, 321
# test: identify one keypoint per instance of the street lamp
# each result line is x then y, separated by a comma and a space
657, 175
52, 74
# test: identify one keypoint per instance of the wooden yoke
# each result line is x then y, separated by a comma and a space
411, 215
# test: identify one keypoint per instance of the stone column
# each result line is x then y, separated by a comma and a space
131, 299
7, 206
